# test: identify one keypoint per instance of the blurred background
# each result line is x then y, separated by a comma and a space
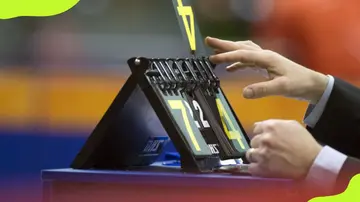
59, 74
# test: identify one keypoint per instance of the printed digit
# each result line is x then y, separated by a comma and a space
185, 12
191, 113
178, 105
204, 122
231, 132
197, 107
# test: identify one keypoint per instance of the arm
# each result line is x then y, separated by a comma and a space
314, 111
339, 124
330, 166
328, 163
350, 168
323, 181
324, 172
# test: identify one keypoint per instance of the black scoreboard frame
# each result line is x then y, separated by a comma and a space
118, 143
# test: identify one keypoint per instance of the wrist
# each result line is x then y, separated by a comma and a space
318, 83
312, 155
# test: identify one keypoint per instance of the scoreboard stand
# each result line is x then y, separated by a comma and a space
178, 100
168, 99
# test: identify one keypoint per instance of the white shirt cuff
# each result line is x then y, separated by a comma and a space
325, 169
314, 112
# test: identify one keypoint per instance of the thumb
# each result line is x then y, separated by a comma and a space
263, 89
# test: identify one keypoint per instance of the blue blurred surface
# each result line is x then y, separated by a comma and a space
24, 154
29, 153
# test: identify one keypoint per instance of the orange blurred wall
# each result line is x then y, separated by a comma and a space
322, 35
78, 102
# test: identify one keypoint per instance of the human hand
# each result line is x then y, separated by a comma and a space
285, 77
281, 148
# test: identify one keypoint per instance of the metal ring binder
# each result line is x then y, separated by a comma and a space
188, 73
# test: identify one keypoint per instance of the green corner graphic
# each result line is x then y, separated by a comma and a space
352, 193
34, 8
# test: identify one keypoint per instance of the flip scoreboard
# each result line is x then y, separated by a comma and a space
168, 99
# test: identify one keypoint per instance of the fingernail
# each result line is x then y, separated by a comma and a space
208, 38
248, 93
229, 68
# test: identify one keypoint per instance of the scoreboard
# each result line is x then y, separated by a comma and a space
176, 99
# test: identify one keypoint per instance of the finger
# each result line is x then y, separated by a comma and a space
250, 43
266, 88
256, 170
255, 141
218, 51
264, 59
248, 155
253, 155
256, 131
235, 169
225, 45
238, 65
241, 66
258, 128
270, 123
265, 142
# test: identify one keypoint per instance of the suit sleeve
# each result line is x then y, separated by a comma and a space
350, 168
339, 125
